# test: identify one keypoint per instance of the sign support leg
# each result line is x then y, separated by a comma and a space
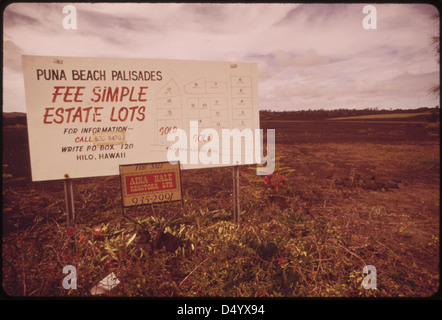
236, 202
69, 199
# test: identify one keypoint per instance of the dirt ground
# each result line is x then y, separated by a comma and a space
355, 193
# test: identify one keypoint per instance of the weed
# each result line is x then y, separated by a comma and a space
307, 230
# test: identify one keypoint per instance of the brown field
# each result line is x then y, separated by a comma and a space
354, 193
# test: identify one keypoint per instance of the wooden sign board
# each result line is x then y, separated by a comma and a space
87, 116
150, 183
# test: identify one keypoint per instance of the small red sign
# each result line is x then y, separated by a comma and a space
149, 183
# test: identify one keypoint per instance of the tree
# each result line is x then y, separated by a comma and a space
435, 43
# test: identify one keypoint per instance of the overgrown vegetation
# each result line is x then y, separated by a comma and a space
328, 210
425, 114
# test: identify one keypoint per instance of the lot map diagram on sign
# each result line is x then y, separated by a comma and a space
87, 116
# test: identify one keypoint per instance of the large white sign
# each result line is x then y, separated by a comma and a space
87, 116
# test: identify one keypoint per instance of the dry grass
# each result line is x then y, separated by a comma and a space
341, 206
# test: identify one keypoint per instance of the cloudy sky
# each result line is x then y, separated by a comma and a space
309, 56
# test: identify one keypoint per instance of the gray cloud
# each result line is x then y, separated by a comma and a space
308, 55
315, 13
10, 60
307, 59
12, 18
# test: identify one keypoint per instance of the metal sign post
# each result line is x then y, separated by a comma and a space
236, 202
69, 199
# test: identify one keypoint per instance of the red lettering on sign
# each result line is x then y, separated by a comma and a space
67, 93
150, 182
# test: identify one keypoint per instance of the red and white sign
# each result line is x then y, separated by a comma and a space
149, 183
87, 116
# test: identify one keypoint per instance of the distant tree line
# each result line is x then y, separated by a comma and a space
17, 118
321, 114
